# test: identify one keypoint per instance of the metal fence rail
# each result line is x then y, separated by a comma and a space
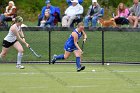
126, 29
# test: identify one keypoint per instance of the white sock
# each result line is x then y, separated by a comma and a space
19, 57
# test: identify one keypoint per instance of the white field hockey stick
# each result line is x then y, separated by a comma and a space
39, 56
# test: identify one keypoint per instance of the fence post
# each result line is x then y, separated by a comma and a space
49, 46
103, 47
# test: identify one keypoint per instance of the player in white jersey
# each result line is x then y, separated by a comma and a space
12, 39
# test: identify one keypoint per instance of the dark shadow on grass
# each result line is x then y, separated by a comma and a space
121, 76
51, 76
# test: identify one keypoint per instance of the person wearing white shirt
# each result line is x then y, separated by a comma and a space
9, 13
71, 13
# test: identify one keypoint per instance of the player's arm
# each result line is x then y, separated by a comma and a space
75, 36
18, 36
84, 36
22, 34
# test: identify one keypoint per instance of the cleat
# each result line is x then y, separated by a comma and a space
81, 68
20, 67
54, 59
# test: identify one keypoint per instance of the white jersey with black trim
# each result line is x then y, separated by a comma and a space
11, 37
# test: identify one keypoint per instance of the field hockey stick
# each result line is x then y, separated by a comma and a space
39, 56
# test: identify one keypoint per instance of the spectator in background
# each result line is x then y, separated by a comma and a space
47, 20
69, 2
92, 14
135, 13
122, 15
9, 14
71, 13
48, 7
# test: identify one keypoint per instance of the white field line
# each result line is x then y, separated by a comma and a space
101, 78
125, 71
33, 73
30, 73
32, 87
85, 86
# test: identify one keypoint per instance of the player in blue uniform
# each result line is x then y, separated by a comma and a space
71, 45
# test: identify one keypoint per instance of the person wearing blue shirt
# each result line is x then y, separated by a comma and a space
47, 7
71, 45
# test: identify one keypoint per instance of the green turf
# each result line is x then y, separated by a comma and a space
43, 78
119, 46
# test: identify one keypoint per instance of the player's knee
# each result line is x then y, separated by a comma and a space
78, 54
3, 54
21, 50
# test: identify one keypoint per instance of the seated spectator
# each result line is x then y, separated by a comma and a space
48, 7
134, 13
72, 12
93, 14
47, 20
122, 15
57, 16
69, 2
9, 14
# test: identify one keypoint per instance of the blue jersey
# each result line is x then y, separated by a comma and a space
69, 45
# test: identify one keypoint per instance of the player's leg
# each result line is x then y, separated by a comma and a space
20, 50
61, 57
3, 53
6, 45
78, 60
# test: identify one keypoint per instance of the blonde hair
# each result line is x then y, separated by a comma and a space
80, 24
11, 2
124, 7
18, 19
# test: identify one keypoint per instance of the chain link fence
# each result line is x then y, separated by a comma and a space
108, 46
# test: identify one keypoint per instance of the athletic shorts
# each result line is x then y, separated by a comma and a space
7, 44
70, 48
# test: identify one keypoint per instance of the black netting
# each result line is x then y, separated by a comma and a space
119, 46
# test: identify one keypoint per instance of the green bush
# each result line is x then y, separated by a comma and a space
30, 9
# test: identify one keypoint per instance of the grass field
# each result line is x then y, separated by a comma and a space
119, 46
63, 78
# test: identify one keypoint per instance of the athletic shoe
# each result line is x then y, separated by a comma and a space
20, 67
54, 59
81, 68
